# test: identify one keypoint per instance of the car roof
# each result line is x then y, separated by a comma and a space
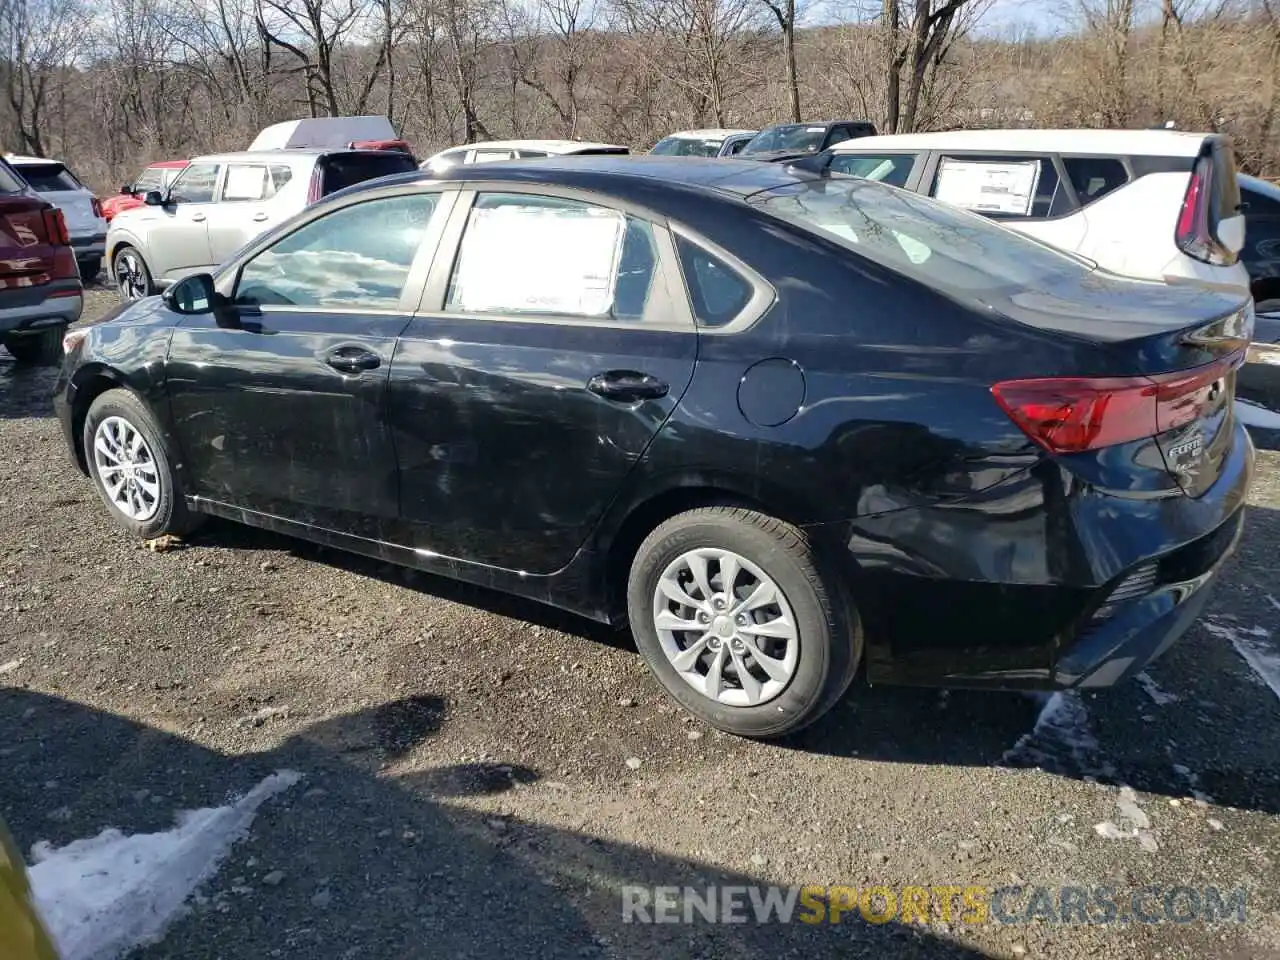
712, 133
1140, 142
550, 146
18, 160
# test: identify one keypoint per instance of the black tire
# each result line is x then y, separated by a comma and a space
828, 631
42, 348
131, 274
89, 269
171, 515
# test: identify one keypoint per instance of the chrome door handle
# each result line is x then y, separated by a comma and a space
259, 217
197, 217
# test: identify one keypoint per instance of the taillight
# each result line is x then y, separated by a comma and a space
1196, 233
1075, 414
55, 227
96, 205
315, 186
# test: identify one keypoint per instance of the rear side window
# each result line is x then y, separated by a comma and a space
717, 291
49, 177
1003, 188
280, 175
342, 170
246, 182
1094, 177
893, 169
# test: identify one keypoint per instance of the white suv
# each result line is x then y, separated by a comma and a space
1158, 205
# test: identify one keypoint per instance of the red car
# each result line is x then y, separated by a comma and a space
156, 176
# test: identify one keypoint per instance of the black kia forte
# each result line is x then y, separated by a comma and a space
786, 424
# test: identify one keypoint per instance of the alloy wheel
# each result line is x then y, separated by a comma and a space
726, 627
131, 277
127, 468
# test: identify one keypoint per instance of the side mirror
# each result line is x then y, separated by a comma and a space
193, 295
153, 199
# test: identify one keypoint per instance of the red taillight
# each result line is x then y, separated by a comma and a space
96, 204
315, 186
1074, 414
1197, 232
1194, 211
55, 227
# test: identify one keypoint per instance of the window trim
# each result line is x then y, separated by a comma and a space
676, 309
763, 295
228, 278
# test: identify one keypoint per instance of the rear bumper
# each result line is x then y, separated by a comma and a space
32, 309
1042, 582
88, 247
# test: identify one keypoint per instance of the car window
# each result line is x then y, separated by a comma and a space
490, 156
942, 247
195, 184
280, 175
149, 179
736, 147
788, 136
1001, 187
686, 147
170, 174
1094, 177
525, 254
890, 168
717, 292
531, 154
49, 177
1263, 198
355, 257
10, 181
246, 181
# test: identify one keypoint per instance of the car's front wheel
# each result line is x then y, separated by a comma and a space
131, 468
133, 278
733, 612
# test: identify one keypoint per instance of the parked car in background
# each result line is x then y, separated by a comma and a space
1261, 253
355, 133
221, 202
786, 141
155, 176
703, 143
81, 209
494, 150
682, 393
1159, 205
41, 293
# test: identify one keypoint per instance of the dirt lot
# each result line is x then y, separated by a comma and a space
483, 777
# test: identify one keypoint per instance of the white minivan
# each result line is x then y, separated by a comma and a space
1160, 205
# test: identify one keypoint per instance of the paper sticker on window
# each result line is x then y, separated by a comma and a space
530, 259
987, 187
245, 183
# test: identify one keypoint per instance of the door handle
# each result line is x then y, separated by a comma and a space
627, 386
353, 360
259, 217
197, 217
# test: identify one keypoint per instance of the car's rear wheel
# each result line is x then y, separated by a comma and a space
131, 468
133, 277
733, 612
43, 348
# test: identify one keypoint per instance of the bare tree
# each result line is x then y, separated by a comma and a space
784, 11
39, 41
550, 44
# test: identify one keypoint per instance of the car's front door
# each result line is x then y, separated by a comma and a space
547, 355
178, 231
279, 399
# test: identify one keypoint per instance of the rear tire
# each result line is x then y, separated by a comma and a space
131, 468
42, 348
800, 650
132, 275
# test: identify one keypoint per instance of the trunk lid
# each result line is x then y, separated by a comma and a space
54, 182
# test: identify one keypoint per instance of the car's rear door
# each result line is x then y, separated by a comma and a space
279, 400
547, 354
244, 209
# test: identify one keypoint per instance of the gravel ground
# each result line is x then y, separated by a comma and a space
483, 776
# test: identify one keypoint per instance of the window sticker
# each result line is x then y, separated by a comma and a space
988, 187
245, 183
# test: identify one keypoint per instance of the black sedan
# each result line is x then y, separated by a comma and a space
786, 425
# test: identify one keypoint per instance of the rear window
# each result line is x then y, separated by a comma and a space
342, 170
788, 136
944, 248
48, 177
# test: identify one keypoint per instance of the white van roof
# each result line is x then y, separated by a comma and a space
323, 132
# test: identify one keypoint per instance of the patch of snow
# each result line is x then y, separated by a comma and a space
1061, 737
1134, 823
1250, 644
1159, 697
102, 896
1255, 415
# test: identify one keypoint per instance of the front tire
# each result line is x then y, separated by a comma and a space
734, 614
43, 348
133, 276
131, 468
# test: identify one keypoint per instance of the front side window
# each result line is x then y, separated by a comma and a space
527, 255
1001, 187
789, 136
893, 168
355, 257
149, 179
944, 248
246, 182
196, 184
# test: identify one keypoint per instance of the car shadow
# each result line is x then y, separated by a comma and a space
966, 728
26, 390
365, 863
